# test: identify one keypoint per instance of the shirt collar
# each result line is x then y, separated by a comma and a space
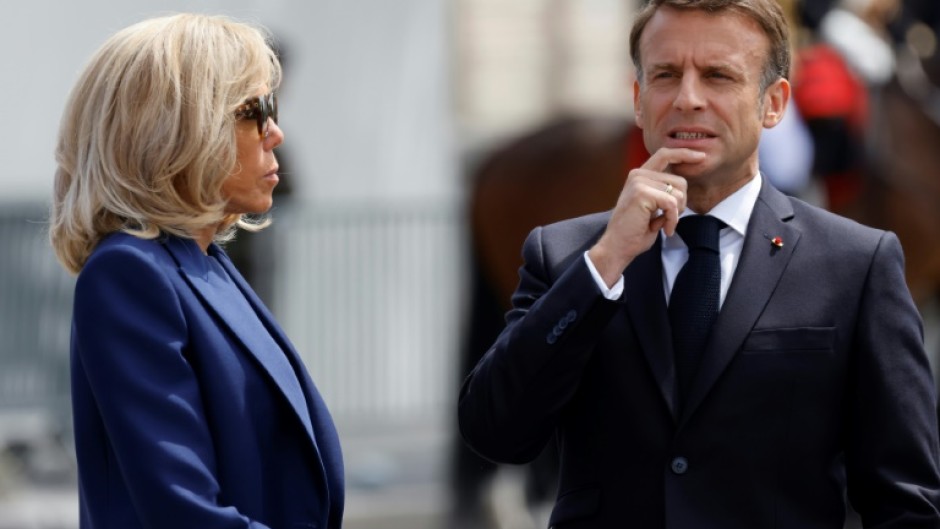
735, 210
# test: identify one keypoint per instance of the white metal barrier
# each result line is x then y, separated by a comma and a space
372, 297
35, 311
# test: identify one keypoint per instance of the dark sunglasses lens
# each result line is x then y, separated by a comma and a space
268, 109
262, 115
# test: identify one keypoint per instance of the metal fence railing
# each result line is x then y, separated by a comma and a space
35, 311
371, 297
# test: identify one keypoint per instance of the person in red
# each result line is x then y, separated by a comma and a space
834, 103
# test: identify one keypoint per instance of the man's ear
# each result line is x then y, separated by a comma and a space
776, 98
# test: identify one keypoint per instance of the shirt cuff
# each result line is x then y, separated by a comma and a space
613, 293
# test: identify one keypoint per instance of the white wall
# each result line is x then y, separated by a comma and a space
365, 105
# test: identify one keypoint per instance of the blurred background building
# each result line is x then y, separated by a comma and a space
403, 121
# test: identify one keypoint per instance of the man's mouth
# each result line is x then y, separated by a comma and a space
690, 135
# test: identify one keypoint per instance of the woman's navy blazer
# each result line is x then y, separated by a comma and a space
191, 406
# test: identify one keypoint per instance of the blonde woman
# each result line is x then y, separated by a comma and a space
191, 406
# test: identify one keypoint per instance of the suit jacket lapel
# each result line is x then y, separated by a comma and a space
257, 341
646, 303
759, 270
316, 407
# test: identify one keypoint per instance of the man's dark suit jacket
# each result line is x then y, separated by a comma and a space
814, 379
192, 408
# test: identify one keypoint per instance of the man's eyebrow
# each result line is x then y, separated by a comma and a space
723, 67
717, 66
663, 66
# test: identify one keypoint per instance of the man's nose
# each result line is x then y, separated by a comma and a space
690, 95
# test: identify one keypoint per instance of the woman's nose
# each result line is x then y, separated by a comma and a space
274, 135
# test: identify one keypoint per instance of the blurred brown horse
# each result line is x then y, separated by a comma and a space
902, 189
570, 167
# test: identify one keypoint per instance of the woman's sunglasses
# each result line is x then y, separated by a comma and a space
259, 108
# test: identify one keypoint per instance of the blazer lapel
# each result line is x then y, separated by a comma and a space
322, 422
315, 404
257, 341
759, 270
646, 304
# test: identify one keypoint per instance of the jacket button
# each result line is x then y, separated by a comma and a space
571, 316
680, 465
551, 338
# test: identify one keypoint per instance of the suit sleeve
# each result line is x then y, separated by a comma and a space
129, 349
511, 402
892, 454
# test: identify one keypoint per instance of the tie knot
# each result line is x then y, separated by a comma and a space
700, 231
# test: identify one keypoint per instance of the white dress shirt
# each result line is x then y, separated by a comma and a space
735, 211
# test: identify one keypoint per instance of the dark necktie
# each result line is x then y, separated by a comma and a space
693, 305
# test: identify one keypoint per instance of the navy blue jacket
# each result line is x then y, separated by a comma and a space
191, 407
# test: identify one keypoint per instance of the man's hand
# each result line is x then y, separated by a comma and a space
651, 200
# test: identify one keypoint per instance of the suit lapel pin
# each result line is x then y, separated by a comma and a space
776, 241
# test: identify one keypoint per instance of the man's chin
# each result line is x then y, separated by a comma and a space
689, 170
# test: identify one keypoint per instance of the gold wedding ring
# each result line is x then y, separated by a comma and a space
669, 189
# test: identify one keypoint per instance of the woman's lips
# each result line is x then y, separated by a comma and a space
272, 175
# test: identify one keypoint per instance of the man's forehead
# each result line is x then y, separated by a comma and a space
727, 37
665, 19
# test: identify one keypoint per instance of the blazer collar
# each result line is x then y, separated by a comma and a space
757, 275
267, 345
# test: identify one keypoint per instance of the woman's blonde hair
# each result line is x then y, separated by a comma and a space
148, 136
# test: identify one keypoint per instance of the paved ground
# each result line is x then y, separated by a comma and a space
57, 508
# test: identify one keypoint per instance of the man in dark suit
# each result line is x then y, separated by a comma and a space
753, 381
